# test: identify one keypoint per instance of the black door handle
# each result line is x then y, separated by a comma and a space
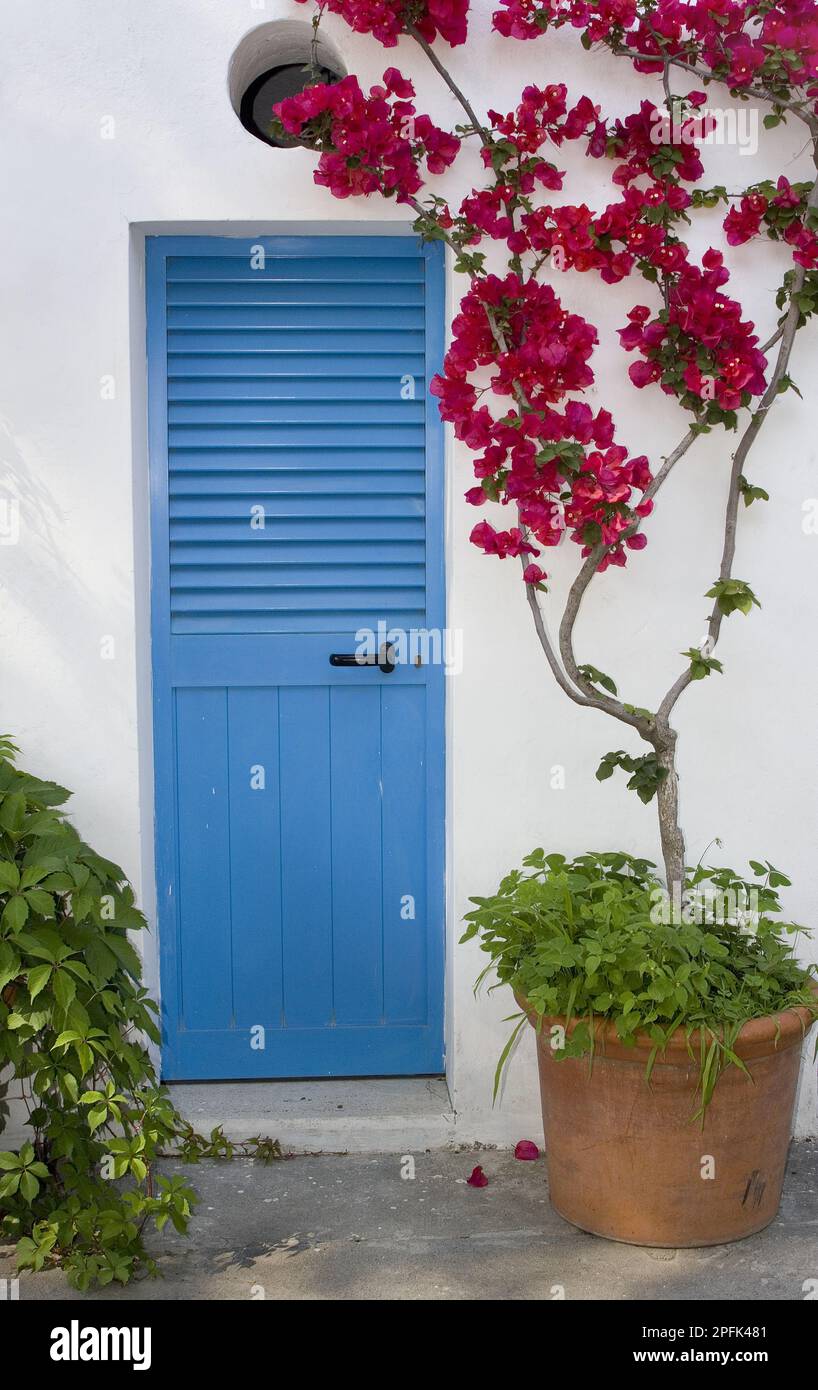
385, 660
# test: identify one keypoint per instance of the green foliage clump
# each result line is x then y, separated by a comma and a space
598, 938
73, 1016
647, 774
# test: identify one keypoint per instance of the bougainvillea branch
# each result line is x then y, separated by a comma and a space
520, 360
787, 337
439, 67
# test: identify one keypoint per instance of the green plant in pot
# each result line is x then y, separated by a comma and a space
73, 1018
668, 1042
668, 1110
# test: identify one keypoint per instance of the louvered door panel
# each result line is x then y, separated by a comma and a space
296, 484
326, 525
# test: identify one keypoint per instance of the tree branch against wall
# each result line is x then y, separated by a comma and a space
520, 360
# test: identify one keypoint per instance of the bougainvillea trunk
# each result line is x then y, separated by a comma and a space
670, 830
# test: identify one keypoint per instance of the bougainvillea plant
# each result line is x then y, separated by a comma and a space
548, 466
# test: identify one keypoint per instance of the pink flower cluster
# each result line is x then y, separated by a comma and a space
542, 116
572, 238
612, 241
547, 348
635, 141
782, 214
742, 223
375, 142
699, 320
535, 457
740, 41
386, 20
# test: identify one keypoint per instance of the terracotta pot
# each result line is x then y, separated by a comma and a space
626, 1161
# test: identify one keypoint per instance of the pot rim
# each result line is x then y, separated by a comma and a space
759, 1037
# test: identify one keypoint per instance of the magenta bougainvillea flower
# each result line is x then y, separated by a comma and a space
386, 19
371, 143
477, 1178
526, 1151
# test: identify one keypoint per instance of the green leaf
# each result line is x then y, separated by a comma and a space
701, 665
44, 943
733, 595
70, 1086
10, 964
752, 494
37, 980
64, 988
640, 710
15, 913
40, 902
9, 874
97, 1116
29, 1186
125, 953
504, 1055
647, 773
787, 384
12, 811
43, 823
58, 883
32, 874
597, 677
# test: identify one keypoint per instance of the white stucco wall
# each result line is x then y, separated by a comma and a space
77, 206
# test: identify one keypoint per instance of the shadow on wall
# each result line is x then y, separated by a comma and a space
58, 617
22, 490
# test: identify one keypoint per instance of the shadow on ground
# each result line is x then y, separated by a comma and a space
354, 1228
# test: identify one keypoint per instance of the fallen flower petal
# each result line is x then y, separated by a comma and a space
526, 1150
478, 1178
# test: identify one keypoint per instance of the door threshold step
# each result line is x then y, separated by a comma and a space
365, 1115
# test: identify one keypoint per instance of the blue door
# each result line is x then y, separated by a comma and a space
296, 509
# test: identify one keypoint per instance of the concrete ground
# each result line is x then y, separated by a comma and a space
351, 1227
